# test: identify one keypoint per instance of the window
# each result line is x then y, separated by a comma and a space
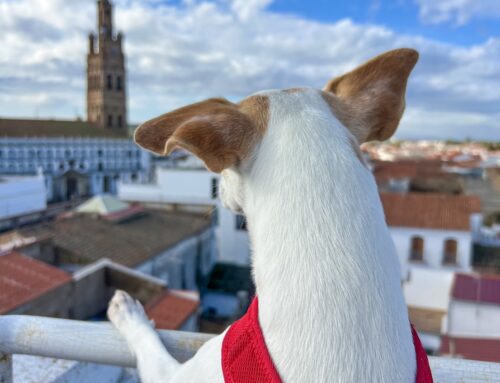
100, 167
214, 188
241, 223
109, 82
119, 83
120, 122
417, 249
110, 120
450, 252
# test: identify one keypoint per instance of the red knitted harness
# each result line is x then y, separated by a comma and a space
245, 358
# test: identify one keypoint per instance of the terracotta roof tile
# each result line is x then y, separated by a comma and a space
430, 210
477, 288
171, 309
23, 279
386, 170
129, 242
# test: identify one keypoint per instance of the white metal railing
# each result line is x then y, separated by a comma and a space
101, 343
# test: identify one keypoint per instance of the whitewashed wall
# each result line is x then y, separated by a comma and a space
188, 186
233, 243
473, 319
21, 195
433, 247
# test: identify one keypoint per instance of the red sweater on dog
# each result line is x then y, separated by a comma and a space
245, 358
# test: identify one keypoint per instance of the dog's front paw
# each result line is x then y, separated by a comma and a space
126, 314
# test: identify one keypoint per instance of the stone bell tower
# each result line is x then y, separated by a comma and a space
106, 85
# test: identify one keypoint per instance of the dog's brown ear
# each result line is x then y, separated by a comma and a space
374, 94
213, 130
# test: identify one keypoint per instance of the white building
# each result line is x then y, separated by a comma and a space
427, 293
192, 186
474, 306
77, 158
21, 195
432, 230
472, 327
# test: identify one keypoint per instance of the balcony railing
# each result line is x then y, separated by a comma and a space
101, 343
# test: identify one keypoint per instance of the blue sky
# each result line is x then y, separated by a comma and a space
400, 15
181, 51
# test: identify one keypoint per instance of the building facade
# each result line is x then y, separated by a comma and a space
432, 230
21, 195
106, 76
471, 329
73, 166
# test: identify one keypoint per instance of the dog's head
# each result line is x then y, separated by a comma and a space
369, 101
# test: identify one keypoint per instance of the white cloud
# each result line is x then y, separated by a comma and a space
178, 55
459, 12
245, 9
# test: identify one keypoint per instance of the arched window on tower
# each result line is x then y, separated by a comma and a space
110, 120
109, 82
118, 82
450, 252
120, 121
417, 249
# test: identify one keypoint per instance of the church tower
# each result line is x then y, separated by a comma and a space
106, 85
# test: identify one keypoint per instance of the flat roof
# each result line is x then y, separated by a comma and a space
11, 127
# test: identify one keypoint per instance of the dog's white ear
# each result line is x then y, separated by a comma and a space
373, 95
214, 130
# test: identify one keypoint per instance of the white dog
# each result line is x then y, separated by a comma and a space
325, 268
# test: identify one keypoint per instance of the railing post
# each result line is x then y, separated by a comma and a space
5, 368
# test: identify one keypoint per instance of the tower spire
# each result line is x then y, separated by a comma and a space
106, 90
104, 22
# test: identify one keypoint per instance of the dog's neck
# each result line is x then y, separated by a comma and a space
325, 268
